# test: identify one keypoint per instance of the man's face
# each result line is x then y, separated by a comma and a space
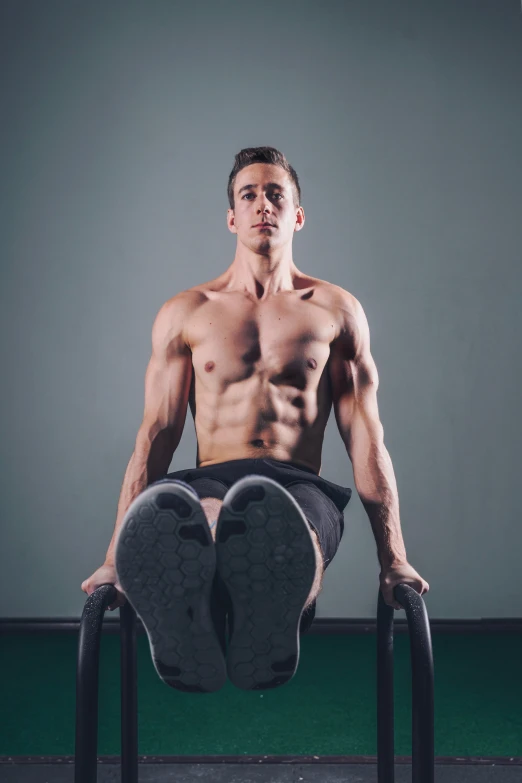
264, 192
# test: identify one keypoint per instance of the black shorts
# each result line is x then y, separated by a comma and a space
321, 501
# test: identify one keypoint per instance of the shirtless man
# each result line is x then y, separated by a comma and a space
261, 353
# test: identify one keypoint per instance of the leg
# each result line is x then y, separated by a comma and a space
323, 516
211, 493
325, 522
211, 507
319, 572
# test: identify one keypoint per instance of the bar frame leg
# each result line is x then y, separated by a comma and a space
87, 684
129, 695
423, 723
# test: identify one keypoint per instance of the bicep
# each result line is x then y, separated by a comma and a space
168, 375
355, 381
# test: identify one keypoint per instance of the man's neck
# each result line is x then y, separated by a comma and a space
261, 276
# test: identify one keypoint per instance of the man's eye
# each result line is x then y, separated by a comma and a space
251, 194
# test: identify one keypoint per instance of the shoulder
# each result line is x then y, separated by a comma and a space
180, 306
172, 317
350, 318
340, 300
350, 354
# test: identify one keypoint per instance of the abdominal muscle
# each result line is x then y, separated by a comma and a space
252, 419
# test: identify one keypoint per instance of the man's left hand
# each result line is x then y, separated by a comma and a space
391, 576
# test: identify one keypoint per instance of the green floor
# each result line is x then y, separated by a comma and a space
328, 708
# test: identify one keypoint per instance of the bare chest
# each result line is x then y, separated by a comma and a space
286, 341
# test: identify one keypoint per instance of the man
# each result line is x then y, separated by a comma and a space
261, 353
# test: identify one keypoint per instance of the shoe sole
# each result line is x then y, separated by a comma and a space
266, 559
165, 560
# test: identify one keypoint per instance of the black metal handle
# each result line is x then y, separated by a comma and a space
87, 670
423, 760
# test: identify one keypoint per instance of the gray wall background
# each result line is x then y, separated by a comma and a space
404, 122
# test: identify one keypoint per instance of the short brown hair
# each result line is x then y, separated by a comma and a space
251, 155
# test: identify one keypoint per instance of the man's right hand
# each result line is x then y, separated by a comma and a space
105, 575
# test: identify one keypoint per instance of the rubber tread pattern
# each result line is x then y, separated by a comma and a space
165, 560
266, 559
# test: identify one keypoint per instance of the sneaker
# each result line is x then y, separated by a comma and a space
165, 560
266, 560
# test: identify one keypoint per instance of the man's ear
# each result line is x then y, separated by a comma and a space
231, 221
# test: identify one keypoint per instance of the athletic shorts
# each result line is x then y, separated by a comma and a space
322, 502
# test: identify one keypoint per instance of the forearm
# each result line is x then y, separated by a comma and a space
149, 462
377, 488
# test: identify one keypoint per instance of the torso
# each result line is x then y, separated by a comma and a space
261, 383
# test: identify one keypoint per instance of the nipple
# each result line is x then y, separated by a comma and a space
312, 363
209, 366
